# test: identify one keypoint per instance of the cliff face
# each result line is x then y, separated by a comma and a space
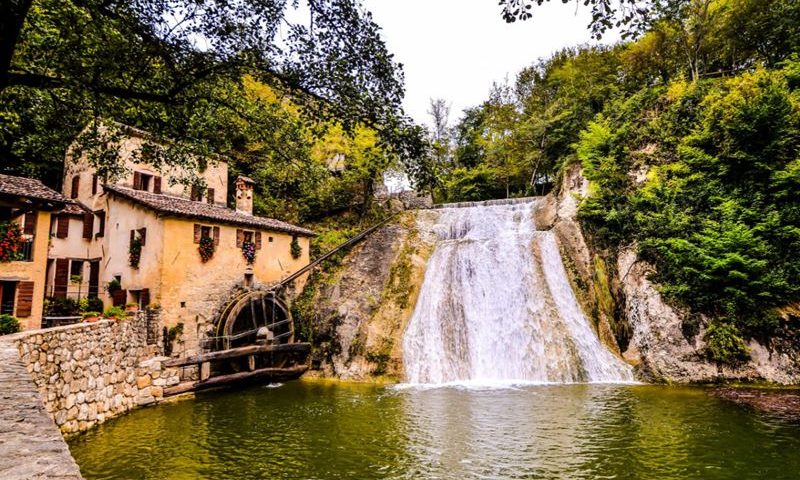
663, 342
360, 311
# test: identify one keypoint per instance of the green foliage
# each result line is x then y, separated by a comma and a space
61, 307
113, 286
92, 304
175, 332
725, 345
8, 324
294, 248
114, 312
90, 314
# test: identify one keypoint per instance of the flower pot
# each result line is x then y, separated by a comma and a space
91, 319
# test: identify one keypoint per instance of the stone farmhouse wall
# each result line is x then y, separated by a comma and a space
90, 372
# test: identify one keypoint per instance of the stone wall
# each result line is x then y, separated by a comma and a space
90, 372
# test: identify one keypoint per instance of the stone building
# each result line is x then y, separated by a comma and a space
145, 238
27, 204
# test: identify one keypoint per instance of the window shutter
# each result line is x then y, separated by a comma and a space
101, 230
94, 184
88, 225
137, 181
197, 232
61, 278
157, 185
195, 193
75, 186
144, 297
216, 235
24, 299
133, 235
30, 223
143, 235
62, 226
210, 196
258, 240
239, 237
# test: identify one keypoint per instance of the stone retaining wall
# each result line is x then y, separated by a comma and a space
90, 372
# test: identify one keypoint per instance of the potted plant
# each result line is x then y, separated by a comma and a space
76, 279
11, 242
135, 252
113, 286
114, 313
206, 248
131, 307
91, 316
249, 251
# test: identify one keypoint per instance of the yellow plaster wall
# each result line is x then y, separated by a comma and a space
203, 286
32, 272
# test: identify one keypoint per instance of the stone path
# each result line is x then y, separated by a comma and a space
31, 446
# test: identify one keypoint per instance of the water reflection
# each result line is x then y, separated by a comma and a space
333, 431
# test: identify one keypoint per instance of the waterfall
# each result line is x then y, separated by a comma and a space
496, 307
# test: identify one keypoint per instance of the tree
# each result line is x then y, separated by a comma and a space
152, 63
440, 134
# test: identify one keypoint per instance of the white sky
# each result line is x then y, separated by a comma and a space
455, 49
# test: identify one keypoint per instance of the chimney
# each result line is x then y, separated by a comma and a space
244, 194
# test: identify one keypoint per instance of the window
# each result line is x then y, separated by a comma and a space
76, 268
197, 193
205, 231
248, 236
270, 239
94, 184
76, 181
101, 229
62, 226
210, 195
142, 181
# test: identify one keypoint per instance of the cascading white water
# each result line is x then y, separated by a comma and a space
496, 307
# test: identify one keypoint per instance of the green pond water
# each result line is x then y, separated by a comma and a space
319, 430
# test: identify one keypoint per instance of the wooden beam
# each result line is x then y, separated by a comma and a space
271, 374
237, 352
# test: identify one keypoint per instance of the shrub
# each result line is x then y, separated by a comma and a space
8, 324
206, 248
114, 312
94, 305
724, 345
61, 307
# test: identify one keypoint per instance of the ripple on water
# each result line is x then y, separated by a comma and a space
323, 431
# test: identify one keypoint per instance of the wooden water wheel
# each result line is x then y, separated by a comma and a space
253, 318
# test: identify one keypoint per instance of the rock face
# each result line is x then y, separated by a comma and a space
361, 309
90, 372
664, 343
668, 348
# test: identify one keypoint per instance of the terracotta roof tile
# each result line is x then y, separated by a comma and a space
75, 208
182, 207
29, 188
